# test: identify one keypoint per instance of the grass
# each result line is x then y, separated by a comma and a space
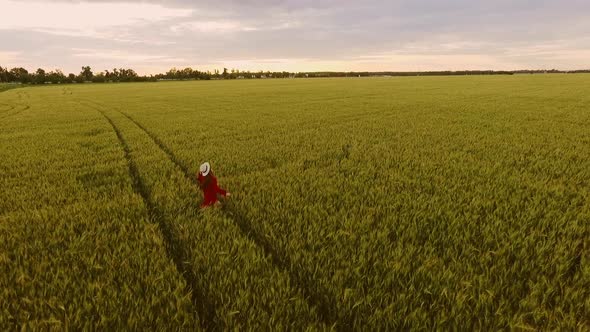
390, 203
8, 86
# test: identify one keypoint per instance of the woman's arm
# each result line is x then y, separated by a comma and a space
216, 187
221, 191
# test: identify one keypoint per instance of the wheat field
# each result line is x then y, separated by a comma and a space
357, 204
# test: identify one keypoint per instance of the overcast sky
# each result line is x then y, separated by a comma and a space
296, 35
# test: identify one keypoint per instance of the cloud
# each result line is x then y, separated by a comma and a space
85, 17
299, 34
125, 56
222, 26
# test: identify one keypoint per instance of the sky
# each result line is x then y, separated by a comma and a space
295, 35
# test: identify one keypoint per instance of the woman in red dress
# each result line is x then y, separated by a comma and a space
208, 183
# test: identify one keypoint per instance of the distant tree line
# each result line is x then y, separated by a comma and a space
192, 74
40, 76
437, 73
404, 73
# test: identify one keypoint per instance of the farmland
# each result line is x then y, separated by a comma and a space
7, 86
379, 204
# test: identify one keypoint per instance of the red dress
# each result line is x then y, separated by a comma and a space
210, 189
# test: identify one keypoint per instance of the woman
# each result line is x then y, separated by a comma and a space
208, 183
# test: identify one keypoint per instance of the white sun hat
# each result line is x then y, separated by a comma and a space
205, 168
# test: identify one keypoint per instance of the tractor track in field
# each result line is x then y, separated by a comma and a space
10, 112
10, 108
319, 299
7, 114
174, 249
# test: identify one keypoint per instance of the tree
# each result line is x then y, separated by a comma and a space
3, 74
115, 75
56, 77
127, 75
20, 75
171, 74
99, 78
40, 76
186, 73
86, 73
71, 78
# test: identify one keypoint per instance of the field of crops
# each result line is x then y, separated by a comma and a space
364, 204
8, 86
